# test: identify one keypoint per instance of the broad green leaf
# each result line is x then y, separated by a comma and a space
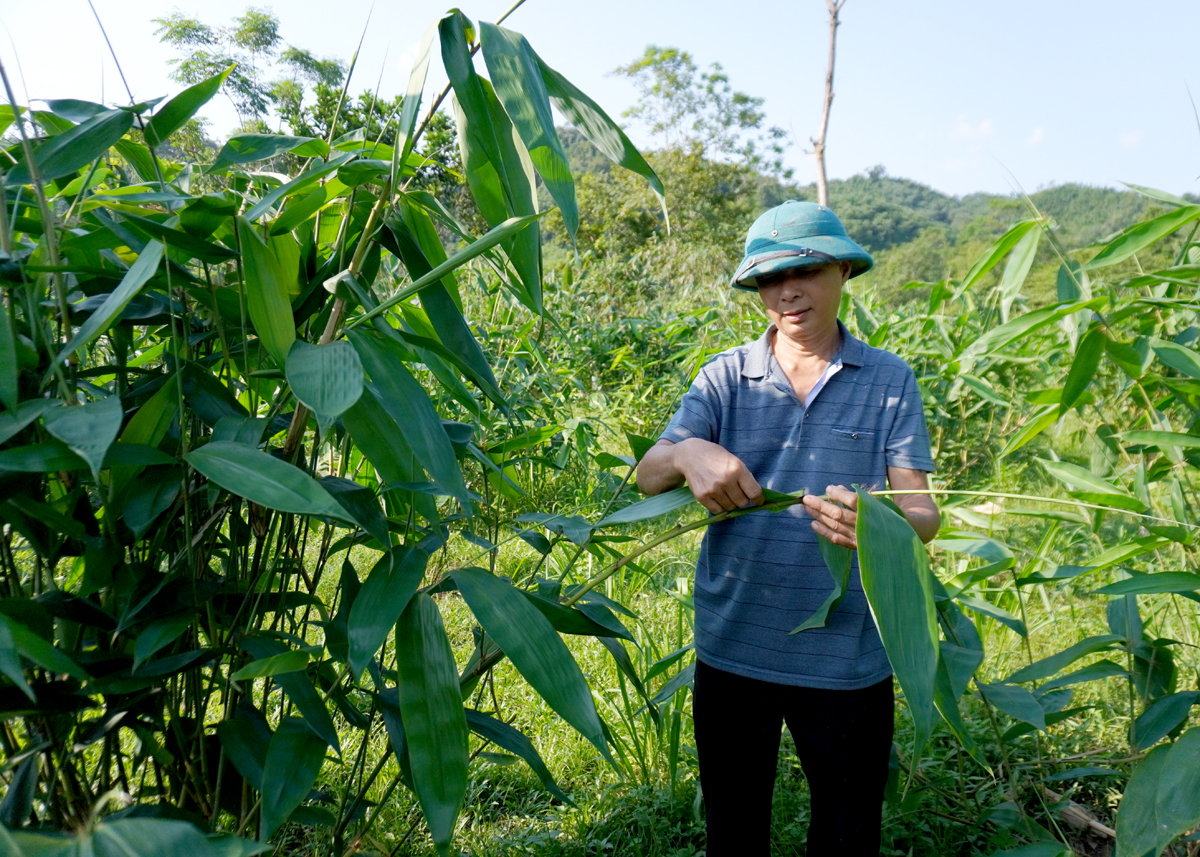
149, 497
1177, 803
245, 148
148, 426
1035, 425
995, 554
38, 650
1161, 439
1185, 361
412, 100
605, 134
987, 608
1093, 672
74, 109
1160, 195
171, 116
499, 233
686, 677
1141, 236
284, 662
306, 179
1085, 481
1080, 773
1153, 584
538, 653
264, 479
503, 735
1127, 550
74, 149
296, 684
434, 724
1137, 822
409, 405
138, 275
294, 759
1023, 325
894, 566
379, 438
1017, 702
9, 370
513, 67
88, 430
1017, 270
1161, 717
39, 458
327, 379
159, 633
837, 560
267, 298
362, 505
130, 837
1055, 663
10, 662
1083, 368
385, 593
651, 507
179, 240
420, 248
991, 257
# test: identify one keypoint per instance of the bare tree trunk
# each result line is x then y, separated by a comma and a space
818, 149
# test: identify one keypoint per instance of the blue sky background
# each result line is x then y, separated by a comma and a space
963, 95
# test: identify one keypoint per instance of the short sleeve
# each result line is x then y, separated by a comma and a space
908, 441
698, 414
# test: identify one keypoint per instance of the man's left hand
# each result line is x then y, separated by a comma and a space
832, 521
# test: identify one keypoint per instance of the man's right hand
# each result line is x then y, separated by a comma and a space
718, 479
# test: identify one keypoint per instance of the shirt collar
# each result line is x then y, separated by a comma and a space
758, 362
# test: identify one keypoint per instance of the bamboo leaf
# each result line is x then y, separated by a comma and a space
1161, 717
266, 294
987, 608
138, 275
1137, 822
1055, 663
1153, 584
1177, 802
837, 560
246, 148
383, 597
273, 665
408, 404
434, 724
503, 735
1086, 482
294, 759
327, 379
1185, 361
528, 639
1001, 248
1141, 236
1022, 326
88, 430
265, 480
1083, 367
38, 650
1161, 439
1016, 702
1017, 270
650, 507
513, 67
171, 116
75, 148
894, 567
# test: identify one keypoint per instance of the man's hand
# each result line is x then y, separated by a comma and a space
719, 479
832, 521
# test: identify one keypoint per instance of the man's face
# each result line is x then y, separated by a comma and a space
804, 303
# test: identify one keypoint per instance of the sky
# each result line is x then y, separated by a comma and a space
962, 95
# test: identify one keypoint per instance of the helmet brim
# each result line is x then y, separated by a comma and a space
771, 258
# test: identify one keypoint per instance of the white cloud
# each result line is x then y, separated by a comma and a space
1036, 136
965, 130
1130, 140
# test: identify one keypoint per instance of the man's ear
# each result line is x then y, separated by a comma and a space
846, 268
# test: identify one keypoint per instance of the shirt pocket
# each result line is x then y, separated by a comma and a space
851, 438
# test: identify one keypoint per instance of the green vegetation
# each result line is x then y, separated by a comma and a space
315, 476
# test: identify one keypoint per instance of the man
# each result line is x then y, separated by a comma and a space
806, 406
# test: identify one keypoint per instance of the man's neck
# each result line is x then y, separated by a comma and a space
806, 355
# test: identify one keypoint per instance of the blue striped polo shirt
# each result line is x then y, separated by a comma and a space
759, 576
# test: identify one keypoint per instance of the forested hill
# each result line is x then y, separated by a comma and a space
915, 231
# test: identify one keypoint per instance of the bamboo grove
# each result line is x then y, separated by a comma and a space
219, 379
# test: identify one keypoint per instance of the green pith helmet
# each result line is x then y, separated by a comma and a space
797, 234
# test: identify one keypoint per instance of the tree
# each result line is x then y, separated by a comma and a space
686, 107
252, 45
818, 149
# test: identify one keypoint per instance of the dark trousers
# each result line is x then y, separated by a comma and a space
843, 738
